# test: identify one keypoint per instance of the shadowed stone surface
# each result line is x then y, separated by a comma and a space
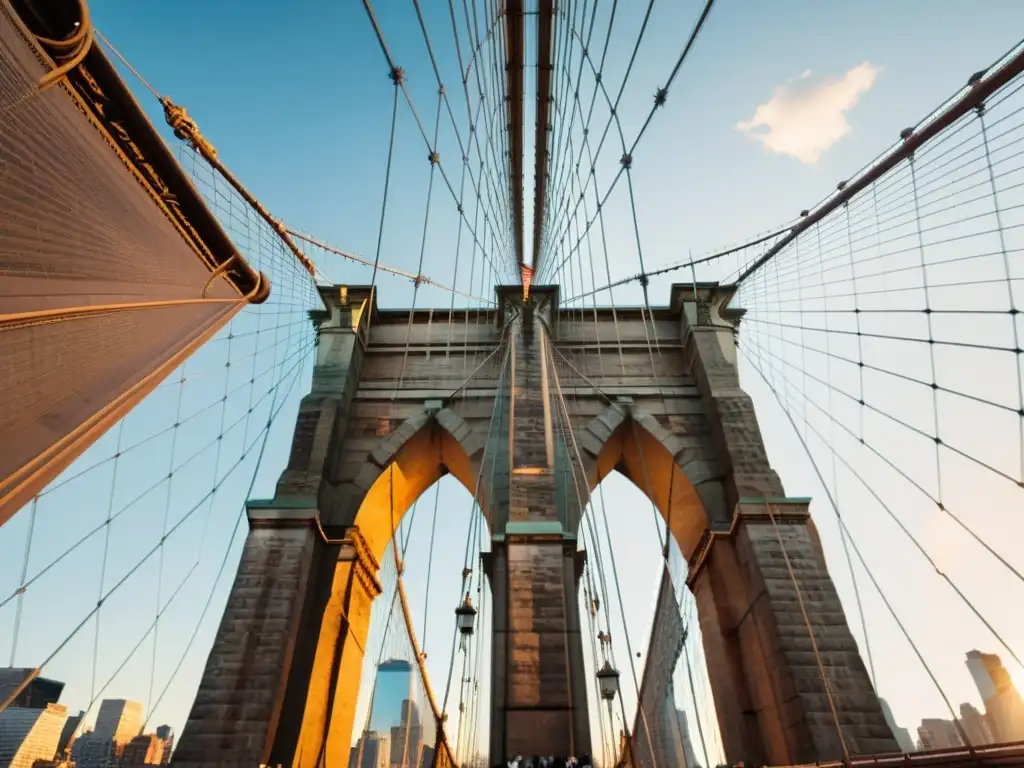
237, 706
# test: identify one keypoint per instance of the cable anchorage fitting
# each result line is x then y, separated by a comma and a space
186, 129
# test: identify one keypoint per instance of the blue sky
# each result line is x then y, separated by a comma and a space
298, 103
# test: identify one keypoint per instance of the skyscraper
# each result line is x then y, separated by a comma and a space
407, 738
975, 725
392, 686
145, 749
67, 735
36, 694
1004, 708
166, 734
117, 723
119, 720
28, 734
372, 750
938, 734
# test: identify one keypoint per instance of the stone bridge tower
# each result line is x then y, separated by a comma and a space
529, 406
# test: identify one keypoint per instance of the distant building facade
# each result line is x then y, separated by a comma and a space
36, 694
29, 734
939, 734
145, 749
166, 734
407, 738
1004, 708
118, 722
975, 725
373, 750
391, 687
67, 735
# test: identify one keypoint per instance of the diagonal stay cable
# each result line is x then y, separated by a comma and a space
170, 532
115, 515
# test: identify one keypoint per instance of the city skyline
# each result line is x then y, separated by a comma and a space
397, 733
392, 685
1001, 720
394, 731
35, 726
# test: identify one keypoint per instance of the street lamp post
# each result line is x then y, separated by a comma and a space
608, 683
465, 617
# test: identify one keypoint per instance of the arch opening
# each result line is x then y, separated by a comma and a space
430, 535
688, 494
657, 645
640, 465
430, 543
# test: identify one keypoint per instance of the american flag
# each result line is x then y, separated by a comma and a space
527, 276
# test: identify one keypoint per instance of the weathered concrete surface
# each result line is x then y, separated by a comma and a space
540, 706
236, 710
766, 604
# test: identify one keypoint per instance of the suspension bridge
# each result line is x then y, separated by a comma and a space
299, 506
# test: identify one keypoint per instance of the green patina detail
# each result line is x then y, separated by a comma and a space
789, 500
286, 503
537, 528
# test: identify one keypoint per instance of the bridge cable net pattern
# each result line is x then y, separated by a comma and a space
113, 575
909, 285
666, 694
961, 210
888, 332
284, 319
226, 199
98, 256
447, 143
600, 113
402, 84
566, 228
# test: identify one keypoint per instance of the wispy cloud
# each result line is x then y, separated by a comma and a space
805, 117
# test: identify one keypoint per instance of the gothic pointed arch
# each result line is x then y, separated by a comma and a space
400, 468
684, 481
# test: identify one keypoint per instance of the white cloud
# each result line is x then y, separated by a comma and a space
805, 117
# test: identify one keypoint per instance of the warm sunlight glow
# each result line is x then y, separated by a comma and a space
749, 426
